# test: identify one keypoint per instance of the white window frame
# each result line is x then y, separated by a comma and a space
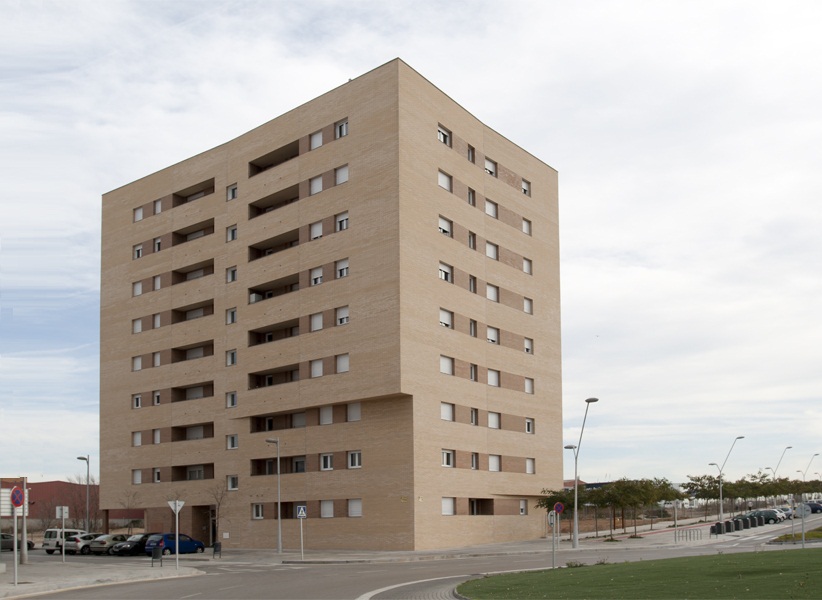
342, 315
341, 221
232, 482
529, 425
156, 474
230, 358
342, 363
341, 129
326, 415
446, 273
257, 511
231, 399
137, 326
493, 377
341, 175
156, 398
316, 368
355, 507
354, 459
231, 192
157, 282
449, 506
492, 335
529, 385
136, 363
158, 207
315, 185
316, 276
494, 463
158, 244
446, 365
491, 208
315, 140
527, 266
353, 411
445, 181
232, 441
528, 306
326, 509
157, 321
315, 322
231, 316
446, 318
231, 274
137, 401
231, 233
341, 268
447, 411
446, 226
528, 345
137, 252
156, 436
526, 187
136, 476
136, 438
530, 466
492, 250
492, 292
327, 461
315, 230
474, 461
444, 136
138, 214
156, 358
491, 167
494, 420
449, 458
137, 288
526, 226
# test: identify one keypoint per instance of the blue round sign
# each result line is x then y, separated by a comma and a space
17, 497
559, 507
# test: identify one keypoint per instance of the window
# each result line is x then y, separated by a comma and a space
446, 273
138, 214
232, 441
326, 415
340, 175
529, 385
490, 167
445, 226
526, 226
157, 282
341, 129
471, 153
474, 461
195, 274
523, 507
472, 197
231, 399
529, 425
446, 411
472, 372
315, 230
474, 416
137, 288
136, 401
355, 459
232, 482
326, 509
316, 368
194, 313
449, 507
316, 275
326, 462
230, 358
256, 511
157, 321
315, 140
195, 392
230, 316
231, 192
158, 207
195, 432
528, 345
491, 250
526, 187
494, 461
472, 328
231, 274
355, 507
353, 411
315, 322
342, 315
472, 284
444, 135
492, 333
493, 377
444, 180
298, 464
448, 458
298, 420
493, 420
341, 268
341, 221
137, 438
156, 358
446, 365
195, 472
530, 466
155, 436
136, 326
156, 473
491, 208
492, 292
342, 363
136, 476
446, 318
137, 252
156, 398
315, 185
231, 233
136, 363
527, 266
158, 244
528, 305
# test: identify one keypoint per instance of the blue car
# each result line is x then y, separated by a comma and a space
165, 541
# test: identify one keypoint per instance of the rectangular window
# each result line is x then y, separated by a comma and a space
523, 507
492, 292
231, 192
157, 281
444, 180
136, 401
526, 187
449, 507
156, 472
137, 288
256, 511
137, 252
341, 221
529, 425
472, 197
230, 316
444, 135
474, 416
527, 266
493, 377
494, 461
315, 185
298, 464
341, 268
528, 305
137, 363
446, 273
341, 129
490, 167
315, 140
474, 461
136, 476
491, 251
446, 318
446, 365
342, 363
471, 153
446, 411
492, 333
231, 233
232, 482
448, 458
195, 274
472, 328
195, 473
158, 244
231, 274
472, 240
529, 385
472, 284
194, 313
326, 509
528, 345
353, 411
137, 438
340, 175
530, 466
526, 226
316, 368
472, 372
342, 315
157, 321
138, 214
355, 507
316, 322
230, 358
155, 357
326, 462
155, 436
491, 208
445, 226
232, 442
231, 399
326, 415
158, 207
355, 459
316, 275
315, 230
493, 420
136, 326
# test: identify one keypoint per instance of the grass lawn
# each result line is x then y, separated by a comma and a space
777, 574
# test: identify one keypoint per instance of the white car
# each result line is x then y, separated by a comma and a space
53, 538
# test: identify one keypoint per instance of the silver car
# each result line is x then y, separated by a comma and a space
80, 543
103, 544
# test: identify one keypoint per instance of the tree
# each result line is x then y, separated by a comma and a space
218, 493
128, 500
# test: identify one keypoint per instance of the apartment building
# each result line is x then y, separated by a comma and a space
353, 308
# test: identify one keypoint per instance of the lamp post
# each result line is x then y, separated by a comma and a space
88, 466
780, 461
575, 449
722, 468
279, 513
805, 472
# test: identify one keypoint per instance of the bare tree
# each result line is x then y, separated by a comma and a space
218, 493
128, 500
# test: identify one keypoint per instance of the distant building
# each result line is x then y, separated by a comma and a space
367, 285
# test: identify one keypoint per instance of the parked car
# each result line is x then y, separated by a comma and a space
133, 546
782, 514
80, 543
53, 538
8, 543
771, 516
166, 542
103, 544
816, 507
788, 511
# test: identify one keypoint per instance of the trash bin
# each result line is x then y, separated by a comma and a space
729, 526
761, 520
218, 550
720, 528
746, 523
157, 553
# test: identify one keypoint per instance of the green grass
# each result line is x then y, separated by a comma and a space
813, 534
782, 574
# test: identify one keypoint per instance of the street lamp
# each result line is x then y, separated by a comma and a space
279, 514
88, 465
805, 472
780, 461
575, 449
721, 512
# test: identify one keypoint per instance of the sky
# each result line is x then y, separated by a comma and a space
688, 140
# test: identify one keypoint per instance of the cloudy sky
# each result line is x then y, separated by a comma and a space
687, 135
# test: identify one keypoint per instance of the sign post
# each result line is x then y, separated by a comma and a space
552, 521
301, 515
63, 513
176, 506
17, 500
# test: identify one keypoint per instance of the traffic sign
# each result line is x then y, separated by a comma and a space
559, 507
17, 497
802, 510
176, 505
301, 514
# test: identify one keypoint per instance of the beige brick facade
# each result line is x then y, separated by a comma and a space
294, 283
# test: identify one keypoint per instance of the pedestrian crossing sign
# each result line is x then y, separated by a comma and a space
301, 511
